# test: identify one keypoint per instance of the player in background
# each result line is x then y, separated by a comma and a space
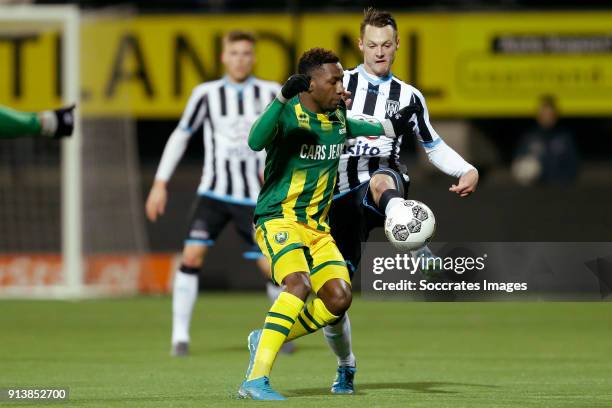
371, 179
54, 124
231, 177
303, 132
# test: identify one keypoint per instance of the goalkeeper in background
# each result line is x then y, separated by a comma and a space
54, 124
303, 131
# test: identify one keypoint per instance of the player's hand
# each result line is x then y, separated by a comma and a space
295, 84
57, 123
65, 122
345, 100
400, 121
156, 202
466, 184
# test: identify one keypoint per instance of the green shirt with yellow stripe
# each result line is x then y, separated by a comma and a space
303, 151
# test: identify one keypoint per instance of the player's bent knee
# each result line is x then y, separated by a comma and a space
193, 255
339, 304
193, 262
380, 183
385, 179
337, 296
298, 284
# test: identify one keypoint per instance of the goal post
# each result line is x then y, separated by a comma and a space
65, 18
71, 212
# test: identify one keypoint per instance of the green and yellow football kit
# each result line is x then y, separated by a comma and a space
303, 151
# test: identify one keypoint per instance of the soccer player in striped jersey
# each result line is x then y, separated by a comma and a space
303, 132
231, 177
371, 179
52, 123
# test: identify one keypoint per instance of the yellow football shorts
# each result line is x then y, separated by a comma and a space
292, 247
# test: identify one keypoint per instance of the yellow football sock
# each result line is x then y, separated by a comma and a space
277, 326
313, 317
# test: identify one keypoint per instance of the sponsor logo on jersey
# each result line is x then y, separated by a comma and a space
361, 149
303, 120
321, 152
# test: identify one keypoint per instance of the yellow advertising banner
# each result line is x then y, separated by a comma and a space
466, 64
477, 64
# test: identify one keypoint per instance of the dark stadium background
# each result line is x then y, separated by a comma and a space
106, 335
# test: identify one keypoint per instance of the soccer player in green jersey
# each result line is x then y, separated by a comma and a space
54, 124
303, 131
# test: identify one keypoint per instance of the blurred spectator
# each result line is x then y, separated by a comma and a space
546, 154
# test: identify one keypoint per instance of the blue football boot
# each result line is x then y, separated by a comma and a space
343, 384
259, 389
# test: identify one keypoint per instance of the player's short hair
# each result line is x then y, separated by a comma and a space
314, 58
239, 35
376, 18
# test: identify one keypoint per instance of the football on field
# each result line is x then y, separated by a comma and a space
410, 226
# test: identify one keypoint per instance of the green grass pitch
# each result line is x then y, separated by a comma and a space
115, 353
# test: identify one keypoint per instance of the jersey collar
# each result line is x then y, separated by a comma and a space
238, 87
329, 115
373, 79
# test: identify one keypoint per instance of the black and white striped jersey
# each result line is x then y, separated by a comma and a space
378, 99
225, 111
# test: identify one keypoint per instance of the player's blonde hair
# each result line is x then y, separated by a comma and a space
239, 35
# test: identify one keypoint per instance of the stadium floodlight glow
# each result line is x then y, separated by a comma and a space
66, 18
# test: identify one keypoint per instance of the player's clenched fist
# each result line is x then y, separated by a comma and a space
295, 84
57, 123
65, 121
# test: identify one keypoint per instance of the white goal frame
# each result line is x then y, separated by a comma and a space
68, 18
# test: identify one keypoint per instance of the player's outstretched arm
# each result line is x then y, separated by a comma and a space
396, 125
441, 155
14, 124
448, 161
264, 129
357, 127
53, 123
